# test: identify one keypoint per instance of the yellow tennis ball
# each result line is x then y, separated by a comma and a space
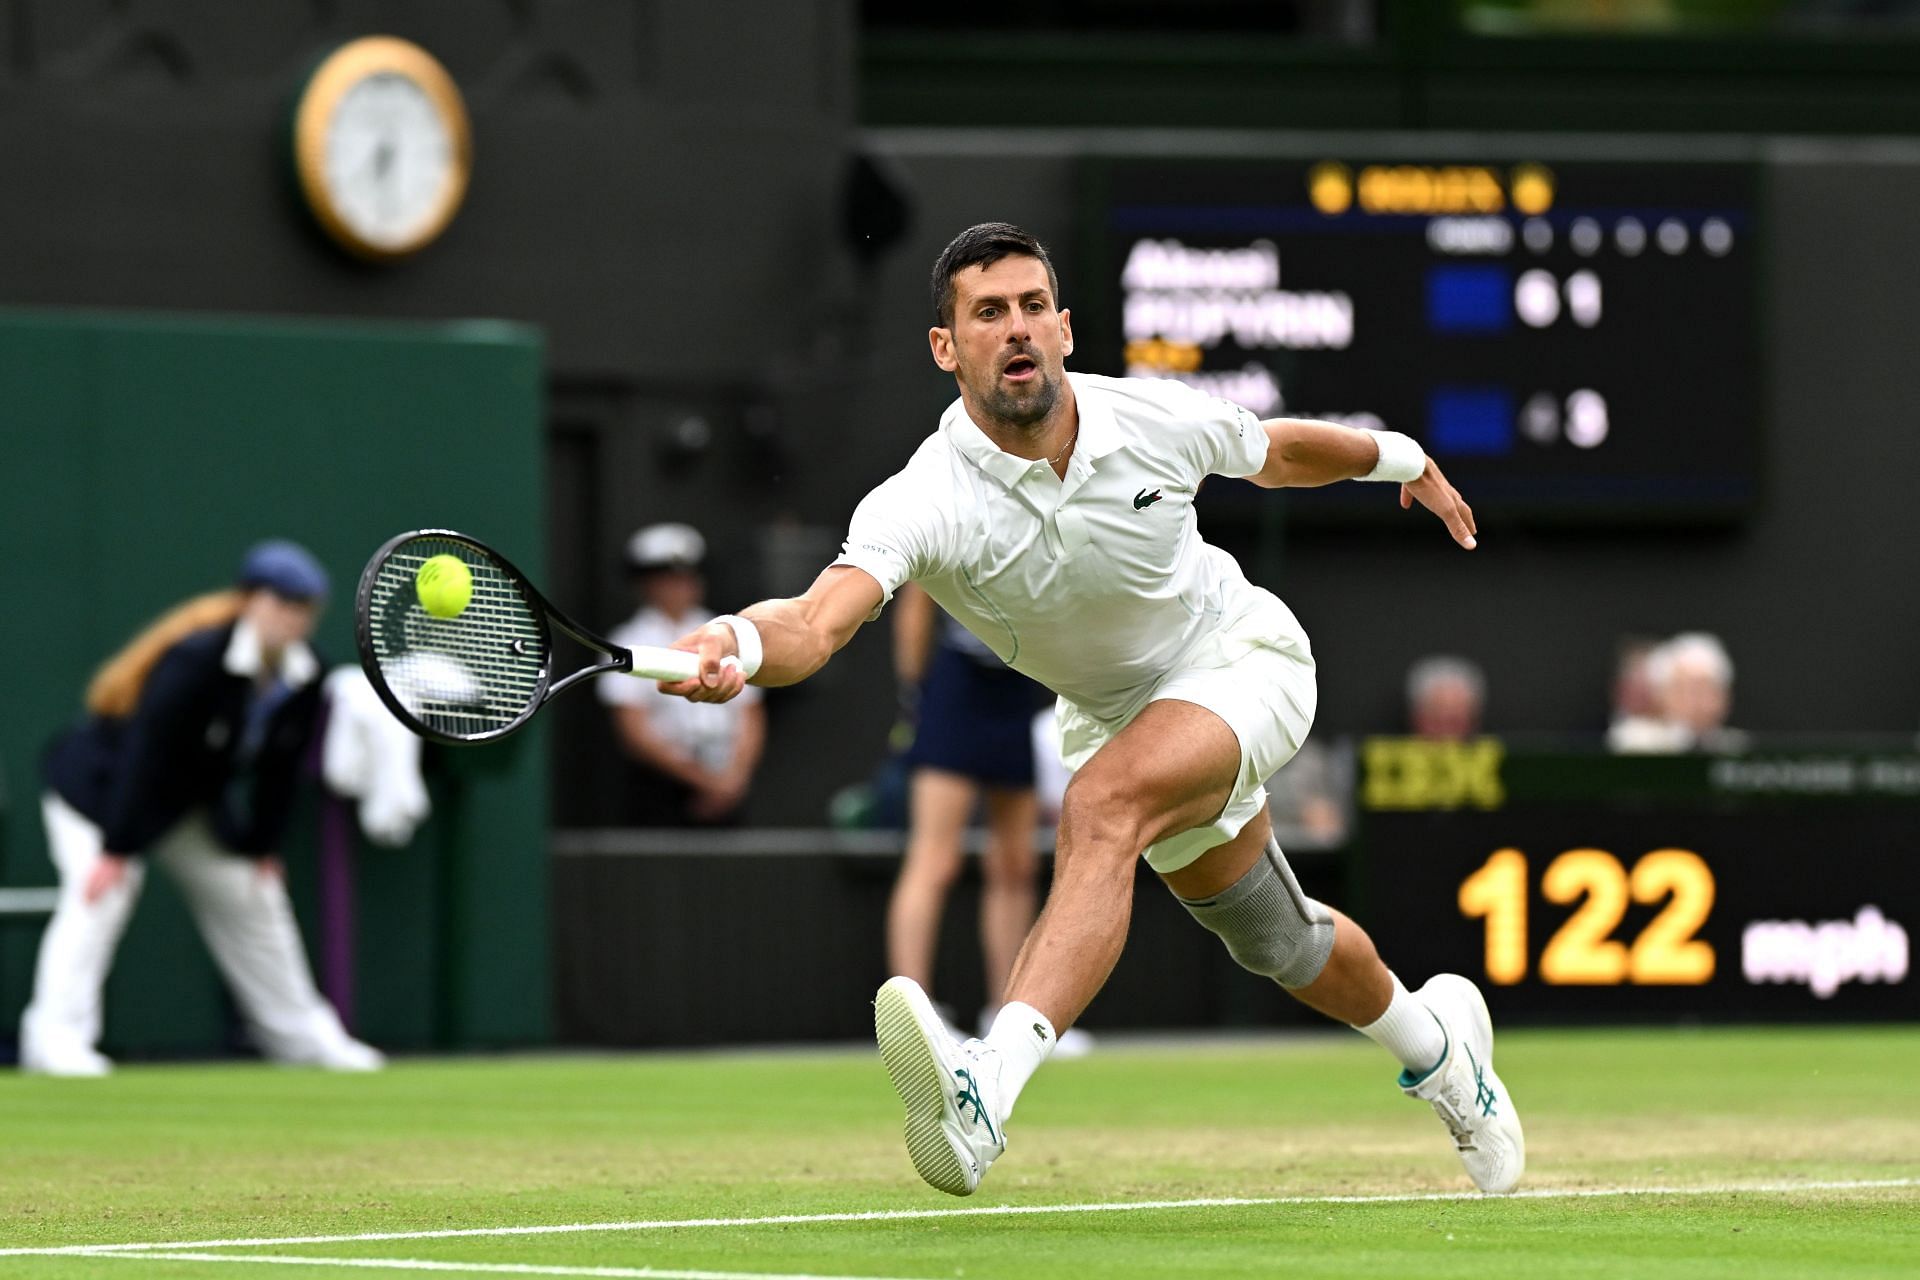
444, 585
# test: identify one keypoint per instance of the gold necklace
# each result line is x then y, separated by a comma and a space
1063, 448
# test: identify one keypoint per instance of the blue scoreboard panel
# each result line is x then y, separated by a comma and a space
1571, 340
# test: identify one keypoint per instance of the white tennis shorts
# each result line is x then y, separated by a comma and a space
1256, 677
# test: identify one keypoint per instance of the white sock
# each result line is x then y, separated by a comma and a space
1024, 1037
1409, 1031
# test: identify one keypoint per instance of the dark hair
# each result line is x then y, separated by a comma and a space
982, 246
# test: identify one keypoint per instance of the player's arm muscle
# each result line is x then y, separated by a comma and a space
797, 636
800, 634
1304, 454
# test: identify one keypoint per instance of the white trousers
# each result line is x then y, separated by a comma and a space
245, 917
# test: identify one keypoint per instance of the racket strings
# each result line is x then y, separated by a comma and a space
472, 674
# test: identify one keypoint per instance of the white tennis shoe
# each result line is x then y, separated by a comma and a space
1465, 1092
950, 1089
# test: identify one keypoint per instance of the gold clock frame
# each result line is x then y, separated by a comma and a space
313, 114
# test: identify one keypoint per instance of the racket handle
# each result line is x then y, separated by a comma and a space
651, 662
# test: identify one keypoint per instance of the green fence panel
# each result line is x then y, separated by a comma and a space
140, 454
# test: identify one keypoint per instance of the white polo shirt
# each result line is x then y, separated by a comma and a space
1096, 585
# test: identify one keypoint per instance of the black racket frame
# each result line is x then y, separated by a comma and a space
548, 615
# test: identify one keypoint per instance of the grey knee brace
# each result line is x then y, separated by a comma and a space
1269, 926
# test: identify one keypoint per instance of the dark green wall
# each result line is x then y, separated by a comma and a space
140, 455
1423, 72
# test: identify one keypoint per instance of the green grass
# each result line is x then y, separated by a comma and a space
200, 1153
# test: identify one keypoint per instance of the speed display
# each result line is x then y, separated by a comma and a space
1570, 340
1570, 885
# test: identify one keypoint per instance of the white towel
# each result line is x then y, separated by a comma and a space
373, 758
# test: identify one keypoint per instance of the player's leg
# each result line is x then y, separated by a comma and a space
1318, 954
1171, 769
245, 915
1009, 898
939, 804
61, 1025
1233, 878
1244, 892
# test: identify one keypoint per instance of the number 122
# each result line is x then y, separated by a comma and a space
1582, 951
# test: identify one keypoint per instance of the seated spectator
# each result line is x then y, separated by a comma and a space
1632, 690
1445, 698
1308, 798
1692, 680
693, 761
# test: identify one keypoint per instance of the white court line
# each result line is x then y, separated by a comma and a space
1005, 1210
495, 1268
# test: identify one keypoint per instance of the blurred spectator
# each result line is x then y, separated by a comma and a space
1632, 687
195, 734
1308, 798
972, 743
1445, 698
1692, 680
694, 761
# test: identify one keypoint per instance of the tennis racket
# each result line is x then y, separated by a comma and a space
480, 675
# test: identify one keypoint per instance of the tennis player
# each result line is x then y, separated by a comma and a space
1052, 514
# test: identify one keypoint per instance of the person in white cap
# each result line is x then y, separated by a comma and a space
189, 755
695, 763
1052, 514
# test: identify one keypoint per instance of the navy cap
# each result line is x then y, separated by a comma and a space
285, 568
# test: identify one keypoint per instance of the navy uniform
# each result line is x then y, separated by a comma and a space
199, 778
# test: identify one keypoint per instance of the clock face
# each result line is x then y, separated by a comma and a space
382, 147
389, 159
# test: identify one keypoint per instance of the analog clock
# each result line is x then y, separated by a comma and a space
382, 147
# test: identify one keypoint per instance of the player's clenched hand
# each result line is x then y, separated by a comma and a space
1433, 492
719, 679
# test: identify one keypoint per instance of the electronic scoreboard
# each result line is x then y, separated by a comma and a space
1570, 340
1571, 885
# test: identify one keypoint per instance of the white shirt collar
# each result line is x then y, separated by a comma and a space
244, 657
1098, 437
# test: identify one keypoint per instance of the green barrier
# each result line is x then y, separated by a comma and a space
140, 455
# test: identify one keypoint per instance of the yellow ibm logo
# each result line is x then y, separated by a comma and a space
1416, 773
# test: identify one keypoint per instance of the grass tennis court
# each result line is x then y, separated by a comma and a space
632, 1146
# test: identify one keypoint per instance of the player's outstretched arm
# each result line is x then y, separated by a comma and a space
797, 636
1302, 453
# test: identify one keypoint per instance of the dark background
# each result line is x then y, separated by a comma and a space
659, 187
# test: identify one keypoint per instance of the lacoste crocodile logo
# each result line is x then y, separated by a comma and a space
1142, 500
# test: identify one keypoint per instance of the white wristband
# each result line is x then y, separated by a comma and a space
746, 638
1402, 460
